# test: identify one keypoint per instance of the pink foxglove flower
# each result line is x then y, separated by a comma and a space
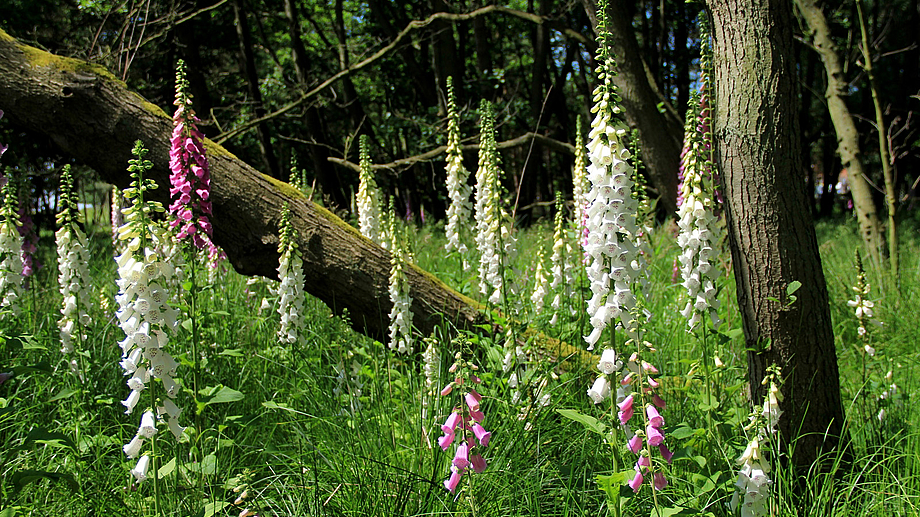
466, 421
190, 176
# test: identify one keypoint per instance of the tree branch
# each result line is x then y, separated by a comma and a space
551, 143
410, 28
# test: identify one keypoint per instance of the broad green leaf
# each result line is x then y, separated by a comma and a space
45, 437
793, 287
589, 421
232, 352
64, 394
225, 394
682, 433
41, 367
212, 507
167, 469
8, 512
24, 477
220, 313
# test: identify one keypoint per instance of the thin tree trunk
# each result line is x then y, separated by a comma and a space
771, 235
248, 64
882, 145
847, 136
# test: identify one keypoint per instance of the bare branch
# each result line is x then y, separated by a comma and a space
410, 28
404, 163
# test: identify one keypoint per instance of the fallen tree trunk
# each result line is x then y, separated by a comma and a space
93, 117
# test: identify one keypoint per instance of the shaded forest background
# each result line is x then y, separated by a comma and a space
293, 83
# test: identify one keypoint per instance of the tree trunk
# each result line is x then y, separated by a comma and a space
248, 66
771, 235
847, 136
660, 133
92, 117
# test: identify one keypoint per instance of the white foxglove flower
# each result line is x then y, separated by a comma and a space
432, 366
10, 254
563, 263
140, 471
612, 256
290, 290
753, 495
600, 390
144, 312
368, 197
700, 232
401, 313
580, 184
118, 204
494, 241
73, 272
541, 283
458, 213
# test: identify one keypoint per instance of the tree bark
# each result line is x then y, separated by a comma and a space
847, 136
771, 235
660, 132
92, 117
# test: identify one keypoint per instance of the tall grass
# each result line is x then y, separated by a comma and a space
336, 427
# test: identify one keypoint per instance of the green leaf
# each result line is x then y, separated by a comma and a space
24, 477
65, 394
668, 512
270, 404
793, 287
167, 469
212, 507
589, 421
219, 394
220, 313
232, 352
52, 439
703, 483
8, 512
682, 433
42, 367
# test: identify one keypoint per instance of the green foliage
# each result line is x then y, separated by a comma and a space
336, 427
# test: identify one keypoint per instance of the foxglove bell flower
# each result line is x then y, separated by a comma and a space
73, 273
580, 185
563, 262
611, 253
10, 254
863, 307
369, 220
401, 313
466, 421
458, 213
144, 312
190, 176
290, 290
541, 284
700, 232
494, 241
